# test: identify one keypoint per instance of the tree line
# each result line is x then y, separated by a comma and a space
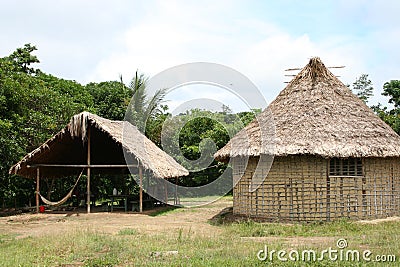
35, 105
363, 88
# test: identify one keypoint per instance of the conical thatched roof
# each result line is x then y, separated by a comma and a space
109, 141
316, 114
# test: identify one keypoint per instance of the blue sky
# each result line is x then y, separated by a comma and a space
99, 40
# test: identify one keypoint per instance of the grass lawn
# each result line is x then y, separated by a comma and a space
180, 241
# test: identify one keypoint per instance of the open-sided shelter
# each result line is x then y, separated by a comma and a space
333, 157
92, 142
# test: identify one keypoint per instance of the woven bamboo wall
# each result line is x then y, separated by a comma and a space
298, 188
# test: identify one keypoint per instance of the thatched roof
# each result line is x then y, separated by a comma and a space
316, 114
109, 141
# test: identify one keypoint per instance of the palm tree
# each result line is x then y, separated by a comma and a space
142, 106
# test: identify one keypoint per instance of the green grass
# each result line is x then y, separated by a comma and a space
225, 247
128, 231
198, 201
6, 238
165, 211
69, 247
254, 229
176, 209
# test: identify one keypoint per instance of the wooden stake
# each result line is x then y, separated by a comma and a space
176, 191
166, 192
88, 171
140, 189
147, 181
37, 189
328, 192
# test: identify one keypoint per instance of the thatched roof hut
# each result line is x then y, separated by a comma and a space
316, 114
329, 147
94, 143
108, 147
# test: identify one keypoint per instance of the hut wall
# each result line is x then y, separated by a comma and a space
299, 188
381, 188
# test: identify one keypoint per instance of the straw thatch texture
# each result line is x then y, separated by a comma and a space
316, 114
109, 141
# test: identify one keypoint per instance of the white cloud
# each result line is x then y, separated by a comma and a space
209, 98
173, 33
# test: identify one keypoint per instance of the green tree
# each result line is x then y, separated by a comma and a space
390, 116
392, 90
154, 126
192, 141
143, 107
23, 58
362, 87
33, 107
110, 99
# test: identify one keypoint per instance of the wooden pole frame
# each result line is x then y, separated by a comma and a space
166, 192
88, 170
328, 192
140, 189
37, 188
176, 191
83, 165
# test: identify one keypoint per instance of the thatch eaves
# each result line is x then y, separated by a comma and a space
110, 140
316, 114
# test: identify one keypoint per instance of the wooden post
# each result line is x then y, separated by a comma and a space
37, 188
140, 189
166, 191
328, 192
147, 181
176, 192
88, 171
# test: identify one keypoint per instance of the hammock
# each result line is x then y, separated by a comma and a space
64, 199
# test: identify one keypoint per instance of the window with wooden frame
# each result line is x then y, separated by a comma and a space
345, 167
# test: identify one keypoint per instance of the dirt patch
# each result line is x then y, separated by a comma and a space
297, 241
193, 220
376, 221
201, 221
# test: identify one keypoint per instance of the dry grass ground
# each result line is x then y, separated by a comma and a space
179, 237
34, 225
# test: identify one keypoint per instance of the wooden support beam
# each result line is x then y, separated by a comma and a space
140, 189
83, 165
328, 192
176, 192
88, 170
166, 192
147, 180
37, 189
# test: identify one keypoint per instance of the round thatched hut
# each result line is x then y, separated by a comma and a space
333, 157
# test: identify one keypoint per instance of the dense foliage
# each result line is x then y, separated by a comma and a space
193, 138
35, 105
390, 115
363, 88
